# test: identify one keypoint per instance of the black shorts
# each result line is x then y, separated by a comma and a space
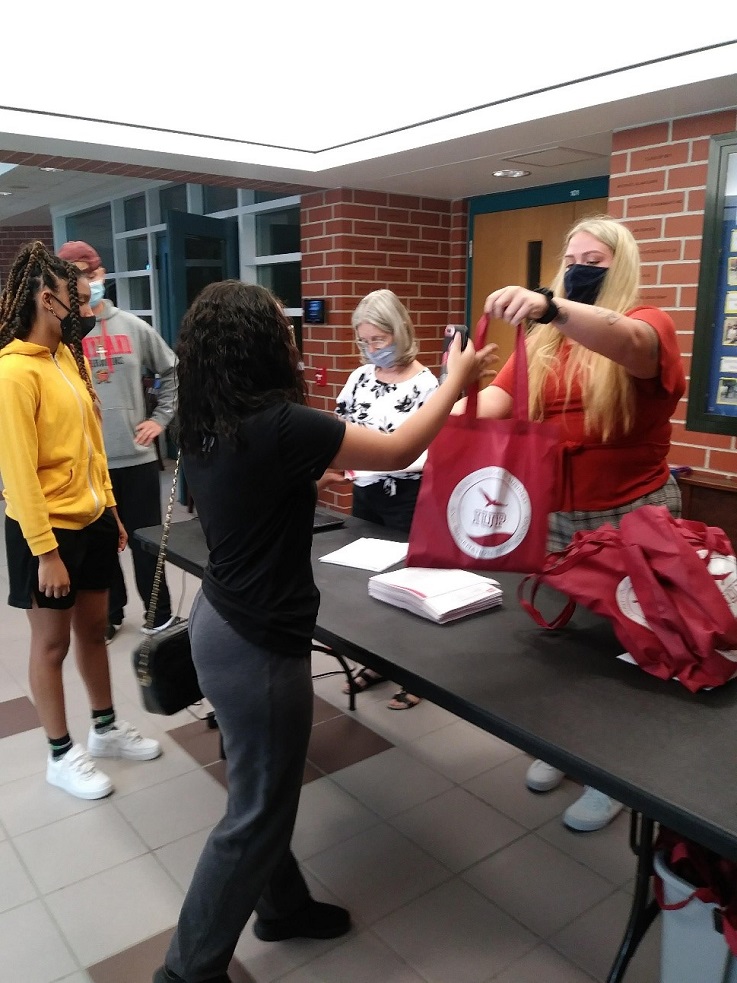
90, 556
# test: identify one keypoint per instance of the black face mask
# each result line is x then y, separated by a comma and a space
86, 324
583, 283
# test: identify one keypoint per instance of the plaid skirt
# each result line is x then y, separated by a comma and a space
563, 525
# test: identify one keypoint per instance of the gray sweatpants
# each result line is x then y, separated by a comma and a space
263, 705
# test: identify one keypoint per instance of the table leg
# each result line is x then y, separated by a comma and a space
644, 909
352, 688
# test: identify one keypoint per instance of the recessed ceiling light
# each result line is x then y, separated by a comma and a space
51, 170
5, 194
511, 172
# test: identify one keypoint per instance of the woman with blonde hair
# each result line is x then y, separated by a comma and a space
607, 369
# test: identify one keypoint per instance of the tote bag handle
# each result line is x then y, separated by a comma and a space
520, 397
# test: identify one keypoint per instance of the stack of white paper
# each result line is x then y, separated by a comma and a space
440, 595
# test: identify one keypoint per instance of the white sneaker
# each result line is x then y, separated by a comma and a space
542, 777
122, 741
174, 620
592, 811
77, 774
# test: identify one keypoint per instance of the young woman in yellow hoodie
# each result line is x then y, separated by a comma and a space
62, 532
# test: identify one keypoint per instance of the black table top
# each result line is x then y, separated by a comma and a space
560, 695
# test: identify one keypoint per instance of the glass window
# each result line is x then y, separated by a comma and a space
139, 292
203, 247
284, 281
136, 251
277, 232
134, 213
218, 199
173, 198
94, 226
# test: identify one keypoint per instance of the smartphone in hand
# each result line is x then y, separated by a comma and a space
448, 335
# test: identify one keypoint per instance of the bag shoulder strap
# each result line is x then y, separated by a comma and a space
142, 667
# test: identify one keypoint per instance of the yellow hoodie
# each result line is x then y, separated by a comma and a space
52, 458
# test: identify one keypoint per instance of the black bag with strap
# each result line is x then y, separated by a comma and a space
166, 675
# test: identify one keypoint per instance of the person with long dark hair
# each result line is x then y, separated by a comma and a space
252, 451
62, 531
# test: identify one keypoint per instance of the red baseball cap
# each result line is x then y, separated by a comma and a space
81, 254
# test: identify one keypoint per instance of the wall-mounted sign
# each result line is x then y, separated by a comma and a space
314, 311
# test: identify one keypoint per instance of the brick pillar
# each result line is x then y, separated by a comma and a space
14, 237
658, 189
354, 242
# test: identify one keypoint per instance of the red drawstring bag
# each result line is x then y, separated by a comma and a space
488, 486
668, 586
713, 878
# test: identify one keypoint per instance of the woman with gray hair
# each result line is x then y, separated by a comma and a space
383, 392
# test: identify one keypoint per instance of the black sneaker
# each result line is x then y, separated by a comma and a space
111, 631
316, 920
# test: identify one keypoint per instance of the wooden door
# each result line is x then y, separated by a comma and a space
522, 246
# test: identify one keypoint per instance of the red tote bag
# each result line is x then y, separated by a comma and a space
668, 586
488, 486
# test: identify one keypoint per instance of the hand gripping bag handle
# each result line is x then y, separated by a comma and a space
520, 399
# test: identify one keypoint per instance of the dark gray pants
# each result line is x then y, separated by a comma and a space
263, 705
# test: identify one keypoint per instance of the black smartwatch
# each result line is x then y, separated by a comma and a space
551, 311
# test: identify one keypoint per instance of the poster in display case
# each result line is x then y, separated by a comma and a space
712, 399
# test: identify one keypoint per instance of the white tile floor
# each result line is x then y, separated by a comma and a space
453, 871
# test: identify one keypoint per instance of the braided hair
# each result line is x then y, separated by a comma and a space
33, 269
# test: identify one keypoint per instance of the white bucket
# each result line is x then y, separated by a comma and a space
692, 951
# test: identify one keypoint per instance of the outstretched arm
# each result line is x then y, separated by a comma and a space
364, 449
625, 340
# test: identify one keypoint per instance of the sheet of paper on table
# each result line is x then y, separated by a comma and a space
368, 554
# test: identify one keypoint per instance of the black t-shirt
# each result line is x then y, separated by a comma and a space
256, 502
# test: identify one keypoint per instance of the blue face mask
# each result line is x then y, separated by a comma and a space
97, 292
383, 358
583, 283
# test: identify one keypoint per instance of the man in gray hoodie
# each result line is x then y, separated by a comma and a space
120, 349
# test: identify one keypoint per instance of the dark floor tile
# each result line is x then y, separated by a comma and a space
17, 716
199, 740
337, 740
217, 770
137, 964
342, 741
325, 711
311, 773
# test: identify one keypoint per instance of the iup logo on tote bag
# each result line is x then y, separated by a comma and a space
489, 513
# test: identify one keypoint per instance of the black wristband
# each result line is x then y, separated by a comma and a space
551, 311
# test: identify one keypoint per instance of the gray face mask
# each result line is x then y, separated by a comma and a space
383, 358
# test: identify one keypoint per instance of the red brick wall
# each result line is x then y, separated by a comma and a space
657, 187
13, 238
354, 242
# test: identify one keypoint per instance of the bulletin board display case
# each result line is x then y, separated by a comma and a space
712, 401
